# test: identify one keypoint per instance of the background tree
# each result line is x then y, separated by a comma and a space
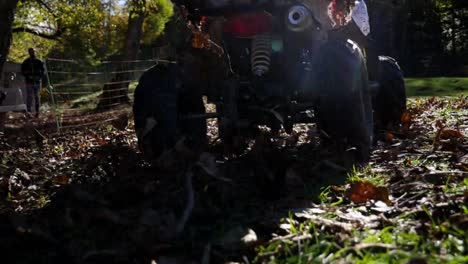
7, 11
422, 34
428, 37
145, 16
72, 27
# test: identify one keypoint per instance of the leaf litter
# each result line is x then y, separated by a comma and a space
88, 196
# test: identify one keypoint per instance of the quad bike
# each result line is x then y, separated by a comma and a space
277, 68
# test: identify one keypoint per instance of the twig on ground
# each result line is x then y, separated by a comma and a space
281, 238
399, 198
346, 227
446, 173
190, 202
411, 199
363, 246
293, 237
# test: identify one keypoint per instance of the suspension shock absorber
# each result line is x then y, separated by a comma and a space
261, 54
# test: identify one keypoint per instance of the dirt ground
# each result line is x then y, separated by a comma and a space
86, 195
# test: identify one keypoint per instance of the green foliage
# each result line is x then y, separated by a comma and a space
76, 28
22, 41
428, 37
454, 21
366, 174
391, 244
176, 32
441, 86
324, 195
87, 30
159, 13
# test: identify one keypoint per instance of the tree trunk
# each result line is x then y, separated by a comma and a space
7, 14
116, 92
135, 29
454, 27
403, 40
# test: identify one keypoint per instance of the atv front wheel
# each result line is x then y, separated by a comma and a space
390, 98
344, 106
162, 108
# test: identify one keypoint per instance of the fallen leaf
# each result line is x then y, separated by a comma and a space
362, 192
450, 133
452, 139
250, 237
439, 124
463, 159
62, 180
100, 141
121, 122
381, 207
200, 40
406, 119
389, 137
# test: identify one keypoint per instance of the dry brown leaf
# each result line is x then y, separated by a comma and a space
406, 118
439, 124
200, 40
362, 192
432, 101
452, 139
99, 140
62, 180
389, 137
450, 133
121, 122
408, 162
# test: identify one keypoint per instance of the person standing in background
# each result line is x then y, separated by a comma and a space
33, 71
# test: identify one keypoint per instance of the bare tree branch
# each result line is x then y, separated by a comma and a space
53, 36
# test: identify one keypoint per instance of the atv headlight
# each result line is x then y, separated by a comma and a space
298, 18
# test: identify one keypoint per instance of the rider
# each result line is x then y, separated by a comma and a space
350, 20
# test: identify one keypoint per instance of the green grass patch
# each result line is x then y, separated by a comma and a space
391, 244
423, 234
366, 175
437, 86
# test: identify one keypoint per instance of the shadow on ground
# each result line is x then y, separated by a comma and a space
113, 207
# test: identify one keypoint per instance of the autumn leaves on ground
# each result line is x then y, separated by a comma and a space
87, 196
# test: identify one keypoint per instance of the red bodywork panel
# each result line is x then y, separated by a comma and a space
248, 24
